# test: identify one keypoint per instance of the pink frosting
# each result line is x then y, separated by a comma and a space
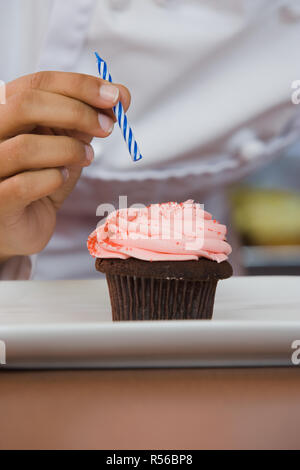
160, 232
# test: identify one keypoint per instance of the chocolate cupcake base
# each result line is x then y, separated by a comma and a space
135, 298
162, 290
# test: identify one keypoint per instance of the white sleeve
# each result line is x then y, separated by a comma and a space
18, 268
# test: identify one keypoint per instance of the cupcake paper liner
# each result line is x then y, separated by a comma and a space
141, 298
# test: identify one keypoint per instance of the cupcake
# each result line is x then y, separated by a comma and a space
161, 262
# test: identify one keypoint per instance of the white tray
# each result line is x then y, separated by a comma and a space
67, 324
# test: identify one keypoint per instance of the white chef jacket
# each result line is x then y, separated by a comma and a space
211, 88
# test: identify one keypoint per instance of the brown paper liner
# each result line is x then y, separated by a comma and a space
134, 298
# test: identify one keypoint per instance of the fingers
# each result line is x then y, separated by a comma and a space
21, 190
28, 109
82, 136
125, 99
28, 152
86, 88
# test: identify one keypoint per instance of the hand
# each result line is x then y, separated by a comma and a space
46, 127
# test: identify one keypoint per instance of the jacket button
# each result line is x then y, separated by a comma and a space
252, 150
245, 144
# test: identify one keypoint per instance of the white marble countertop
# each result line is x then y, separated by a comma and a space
68, 324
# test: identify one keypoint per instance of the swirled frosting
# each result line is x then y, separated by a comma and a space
161, 232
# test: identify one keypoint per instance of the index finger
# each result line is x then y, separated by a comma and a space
86, 88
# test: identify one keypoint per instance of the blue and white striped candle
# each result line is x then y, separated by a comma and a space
120, 115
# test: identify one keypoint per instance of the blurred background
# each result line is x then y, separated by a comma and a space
266, 213
211, 103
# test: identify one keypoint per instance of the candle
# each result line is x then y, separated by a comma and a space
120, 115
